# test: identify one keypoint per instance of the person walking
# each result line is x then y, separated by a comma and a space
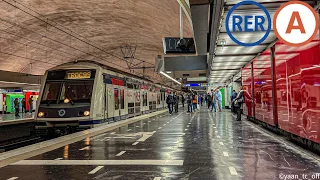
16, 107
170, 102
23, 103
209, 99
219, 99
233, 96
30, 101
238, 103
201, 99
189, 102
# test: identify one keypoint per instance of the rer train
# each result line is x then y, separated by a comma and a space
283, 91
80, 95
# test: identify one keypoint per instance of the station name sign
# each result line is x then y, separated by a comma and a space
78, 74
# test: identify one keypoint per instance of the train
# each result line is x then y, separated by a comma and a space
282, 91
80, 95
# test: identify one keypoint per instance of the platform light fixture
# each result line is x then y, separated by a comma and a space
166, 75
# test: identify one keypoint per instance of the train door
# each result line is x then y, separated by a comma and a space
116, 92
138, 102
144, 97
123, 105
131, 102
110, 101
150, 101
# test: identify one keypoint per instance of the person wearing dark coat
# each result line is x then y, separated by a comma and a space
238, 103
170, 102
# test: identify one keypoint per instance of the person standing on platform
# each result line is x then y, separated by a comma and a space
194, 101
201, 99
219, 99
214, 100
176, 102
30, 101
23, 102
238, 103
16, 107
189, 102
233, 96
170, 102
209, 100
182, 100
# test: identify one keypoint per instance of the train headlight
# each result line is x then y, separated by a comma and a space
66, 100
40, 114
86, 113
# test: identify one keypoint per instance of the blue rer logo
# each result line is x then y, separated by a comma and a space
251, 23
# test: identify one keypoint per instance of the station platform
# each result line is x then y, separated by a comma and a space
10, 119
201, 145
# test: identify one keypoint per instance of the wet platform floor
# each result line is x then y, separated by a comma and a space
200, 146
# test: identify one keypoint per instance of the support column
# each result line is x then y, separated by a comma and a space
274, 85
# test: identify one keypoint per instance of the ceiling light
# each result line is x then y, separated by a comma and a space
168, 72
166, 75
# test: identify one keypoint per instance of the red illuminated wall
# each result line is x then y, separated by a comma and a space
247, 86
298, 89
263, 88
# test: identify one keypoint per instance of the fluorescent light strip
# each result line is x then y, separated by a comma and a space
166, 75
7, 82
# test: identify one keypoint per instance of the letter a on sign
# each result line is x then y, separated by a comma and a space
295, 16
296, 23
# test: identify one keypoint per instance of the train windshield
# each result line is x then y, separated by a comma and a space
77, 91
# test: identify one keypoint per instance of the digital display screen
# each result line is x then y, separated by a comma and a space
78, 75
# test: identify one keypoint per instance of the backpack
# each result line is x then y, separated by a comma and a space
170, 99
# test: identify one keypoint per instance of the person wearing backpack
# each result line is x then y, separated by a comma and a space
238, 103
170, 102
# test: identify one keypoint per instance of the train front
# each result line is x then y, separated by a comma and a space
65, 101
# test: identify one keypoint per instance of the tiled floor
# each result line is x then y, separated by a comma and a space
200, 146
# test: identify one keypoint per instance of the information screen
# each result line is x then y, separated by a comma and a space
78, 75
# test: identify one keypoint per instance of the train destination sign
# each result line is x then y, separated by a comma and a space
78, 75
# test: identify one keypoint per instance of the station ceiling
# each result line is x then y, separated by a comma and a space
36, 35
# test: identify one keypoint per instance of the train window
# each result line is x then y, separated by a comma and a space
122, 98
77, 91
130, 86
51, 92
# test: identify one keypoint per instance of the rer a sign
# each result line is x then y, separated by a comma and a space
295, 23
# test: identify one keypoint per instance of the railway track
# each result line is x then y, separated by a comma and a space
20, 142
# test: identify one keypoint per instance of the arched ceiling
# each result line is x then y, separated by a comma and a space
47, 33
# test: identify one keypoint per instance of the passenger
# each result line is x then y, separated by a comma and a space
195, 102
219, 99
214, 100
176, 102
189, 102
201, 99
170, 102
238, 103
209, 100
233, 96
182, 100
23, 102
16, 107
30, 101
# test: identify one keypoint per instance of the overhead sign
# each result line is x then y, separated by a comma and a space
172, 45
78, 75
248, 23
